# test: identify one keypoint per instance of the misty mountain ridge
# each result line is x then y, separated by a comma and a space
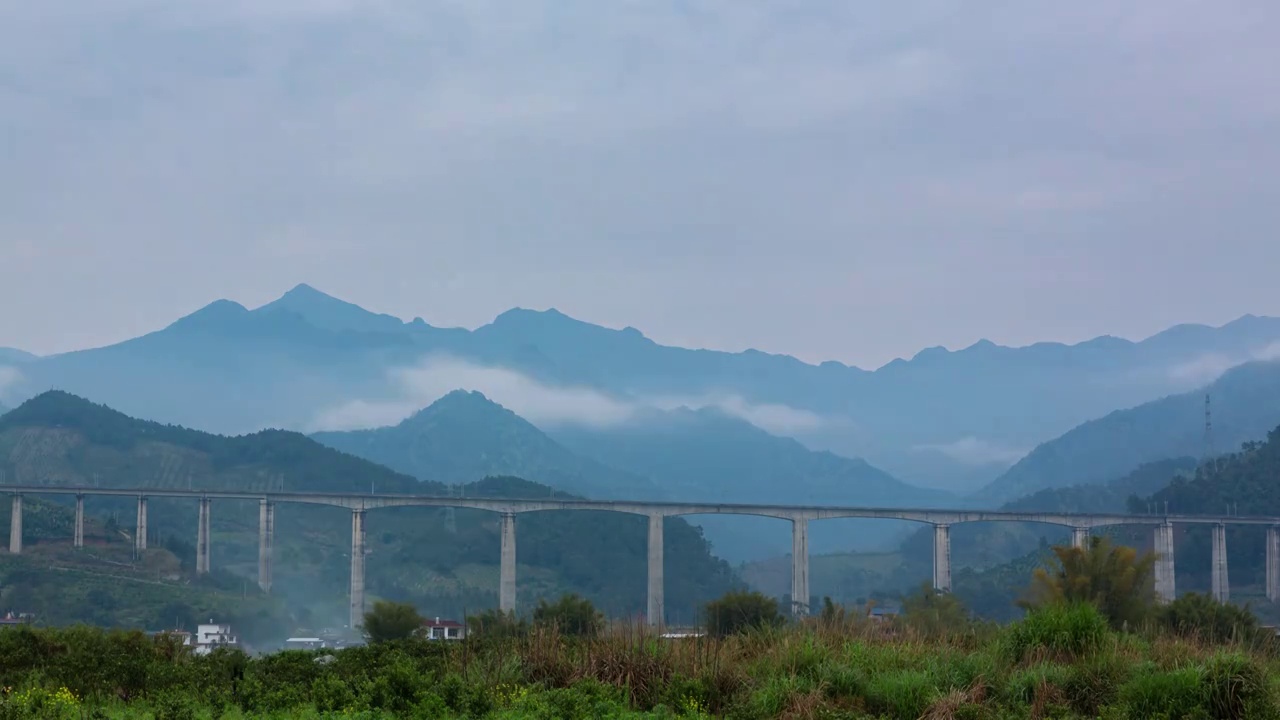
464, 436
1245, 406
230, 369
416, 554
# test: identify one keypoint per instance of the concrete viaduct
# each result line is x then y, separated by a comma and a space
800, 516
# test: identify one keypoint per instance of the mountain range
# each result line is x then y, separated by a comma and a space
944, 419
702, 455
443, 562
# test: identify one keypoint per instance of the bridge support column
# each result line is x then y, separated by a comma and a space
1273, 564
507, 568
202, 538
799, 567
77, 539
942, 557
140, 527
1080, 537
657, 603
1166, 590
15, 526
266, 538
357, 568
1221, 585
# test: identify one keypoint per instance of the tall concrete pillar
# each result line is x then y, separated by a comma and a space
1273, 564
77, 539
799, 567
140, 528
1166, 591
357, 568
1221, 585
15, 526
507, 568
942, 557
1080, 537
657, 603
202, 538
266, 538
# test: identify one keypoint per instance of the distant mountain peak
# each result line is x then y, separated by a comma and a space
326, 311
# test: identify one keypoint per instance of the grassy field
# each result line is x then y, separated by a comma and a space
1059, 662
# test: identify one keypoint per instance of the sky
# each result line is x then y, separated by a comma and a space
828, 178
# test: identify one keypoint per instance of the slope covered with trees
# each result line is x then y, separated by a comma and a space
1245, 404
464, 436
443, 562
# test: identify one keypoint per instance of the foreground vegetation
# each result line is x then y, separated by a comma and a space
1062, 661
1092, 645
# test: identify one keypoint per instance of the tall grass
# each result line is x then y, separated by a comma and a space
1056, 663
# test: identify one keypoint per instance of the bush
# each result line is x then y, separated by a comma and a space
1201, 616
570, 615
1063, 630
739, 611
388, 621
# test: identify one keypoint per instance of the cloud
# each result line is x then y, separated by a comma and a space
976, 451
542, 404
773, 164
1206, 368
10, 378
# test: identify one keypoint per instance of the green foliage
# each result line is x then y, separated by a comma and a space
934, 613
1063, 629
571, 615
1115, 579
387, 621
741, 610
1199, 615
495, 624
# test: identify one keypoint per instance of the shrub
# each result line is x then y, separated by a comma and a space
1201, 616
1155, 694
388, 621
571, 615
1063, 630
1236, 687
739, 611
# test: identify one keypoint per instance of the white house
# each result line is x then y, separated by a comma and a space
213, 635
438, 629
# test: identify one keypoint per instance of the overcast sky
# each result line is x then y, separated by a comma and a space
831, 179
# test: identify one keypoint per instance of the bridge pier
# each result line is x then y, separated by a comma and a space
15, 526
1080, 537
1166, 590
202, 538
266, 539
77, 538
1273, 563
657, 602
357, 568
942, 557
1221, 585
799, 567
140, 527
507, 567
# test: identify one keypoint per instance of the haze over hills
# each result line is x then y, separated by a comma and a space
946, 419
1245, 405
702, 455
464, 436
414, 553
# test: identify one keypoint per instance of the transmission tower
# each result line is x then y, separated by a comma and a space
1207, 454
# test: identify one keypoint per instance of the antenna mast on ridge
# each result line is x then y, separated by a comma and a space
1207, 454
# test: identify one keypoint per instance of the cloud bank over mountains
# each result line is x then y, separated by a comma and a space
542, 404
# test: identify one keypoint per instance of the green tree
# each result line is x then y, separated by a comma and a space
1202, 616
934, 612
1113, 578
571, 615
741, 610
388, 621
496, 624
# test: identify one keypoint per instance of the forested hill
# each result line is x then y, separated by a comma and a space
1245, 483
464, 436
1245, 405
443, 562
